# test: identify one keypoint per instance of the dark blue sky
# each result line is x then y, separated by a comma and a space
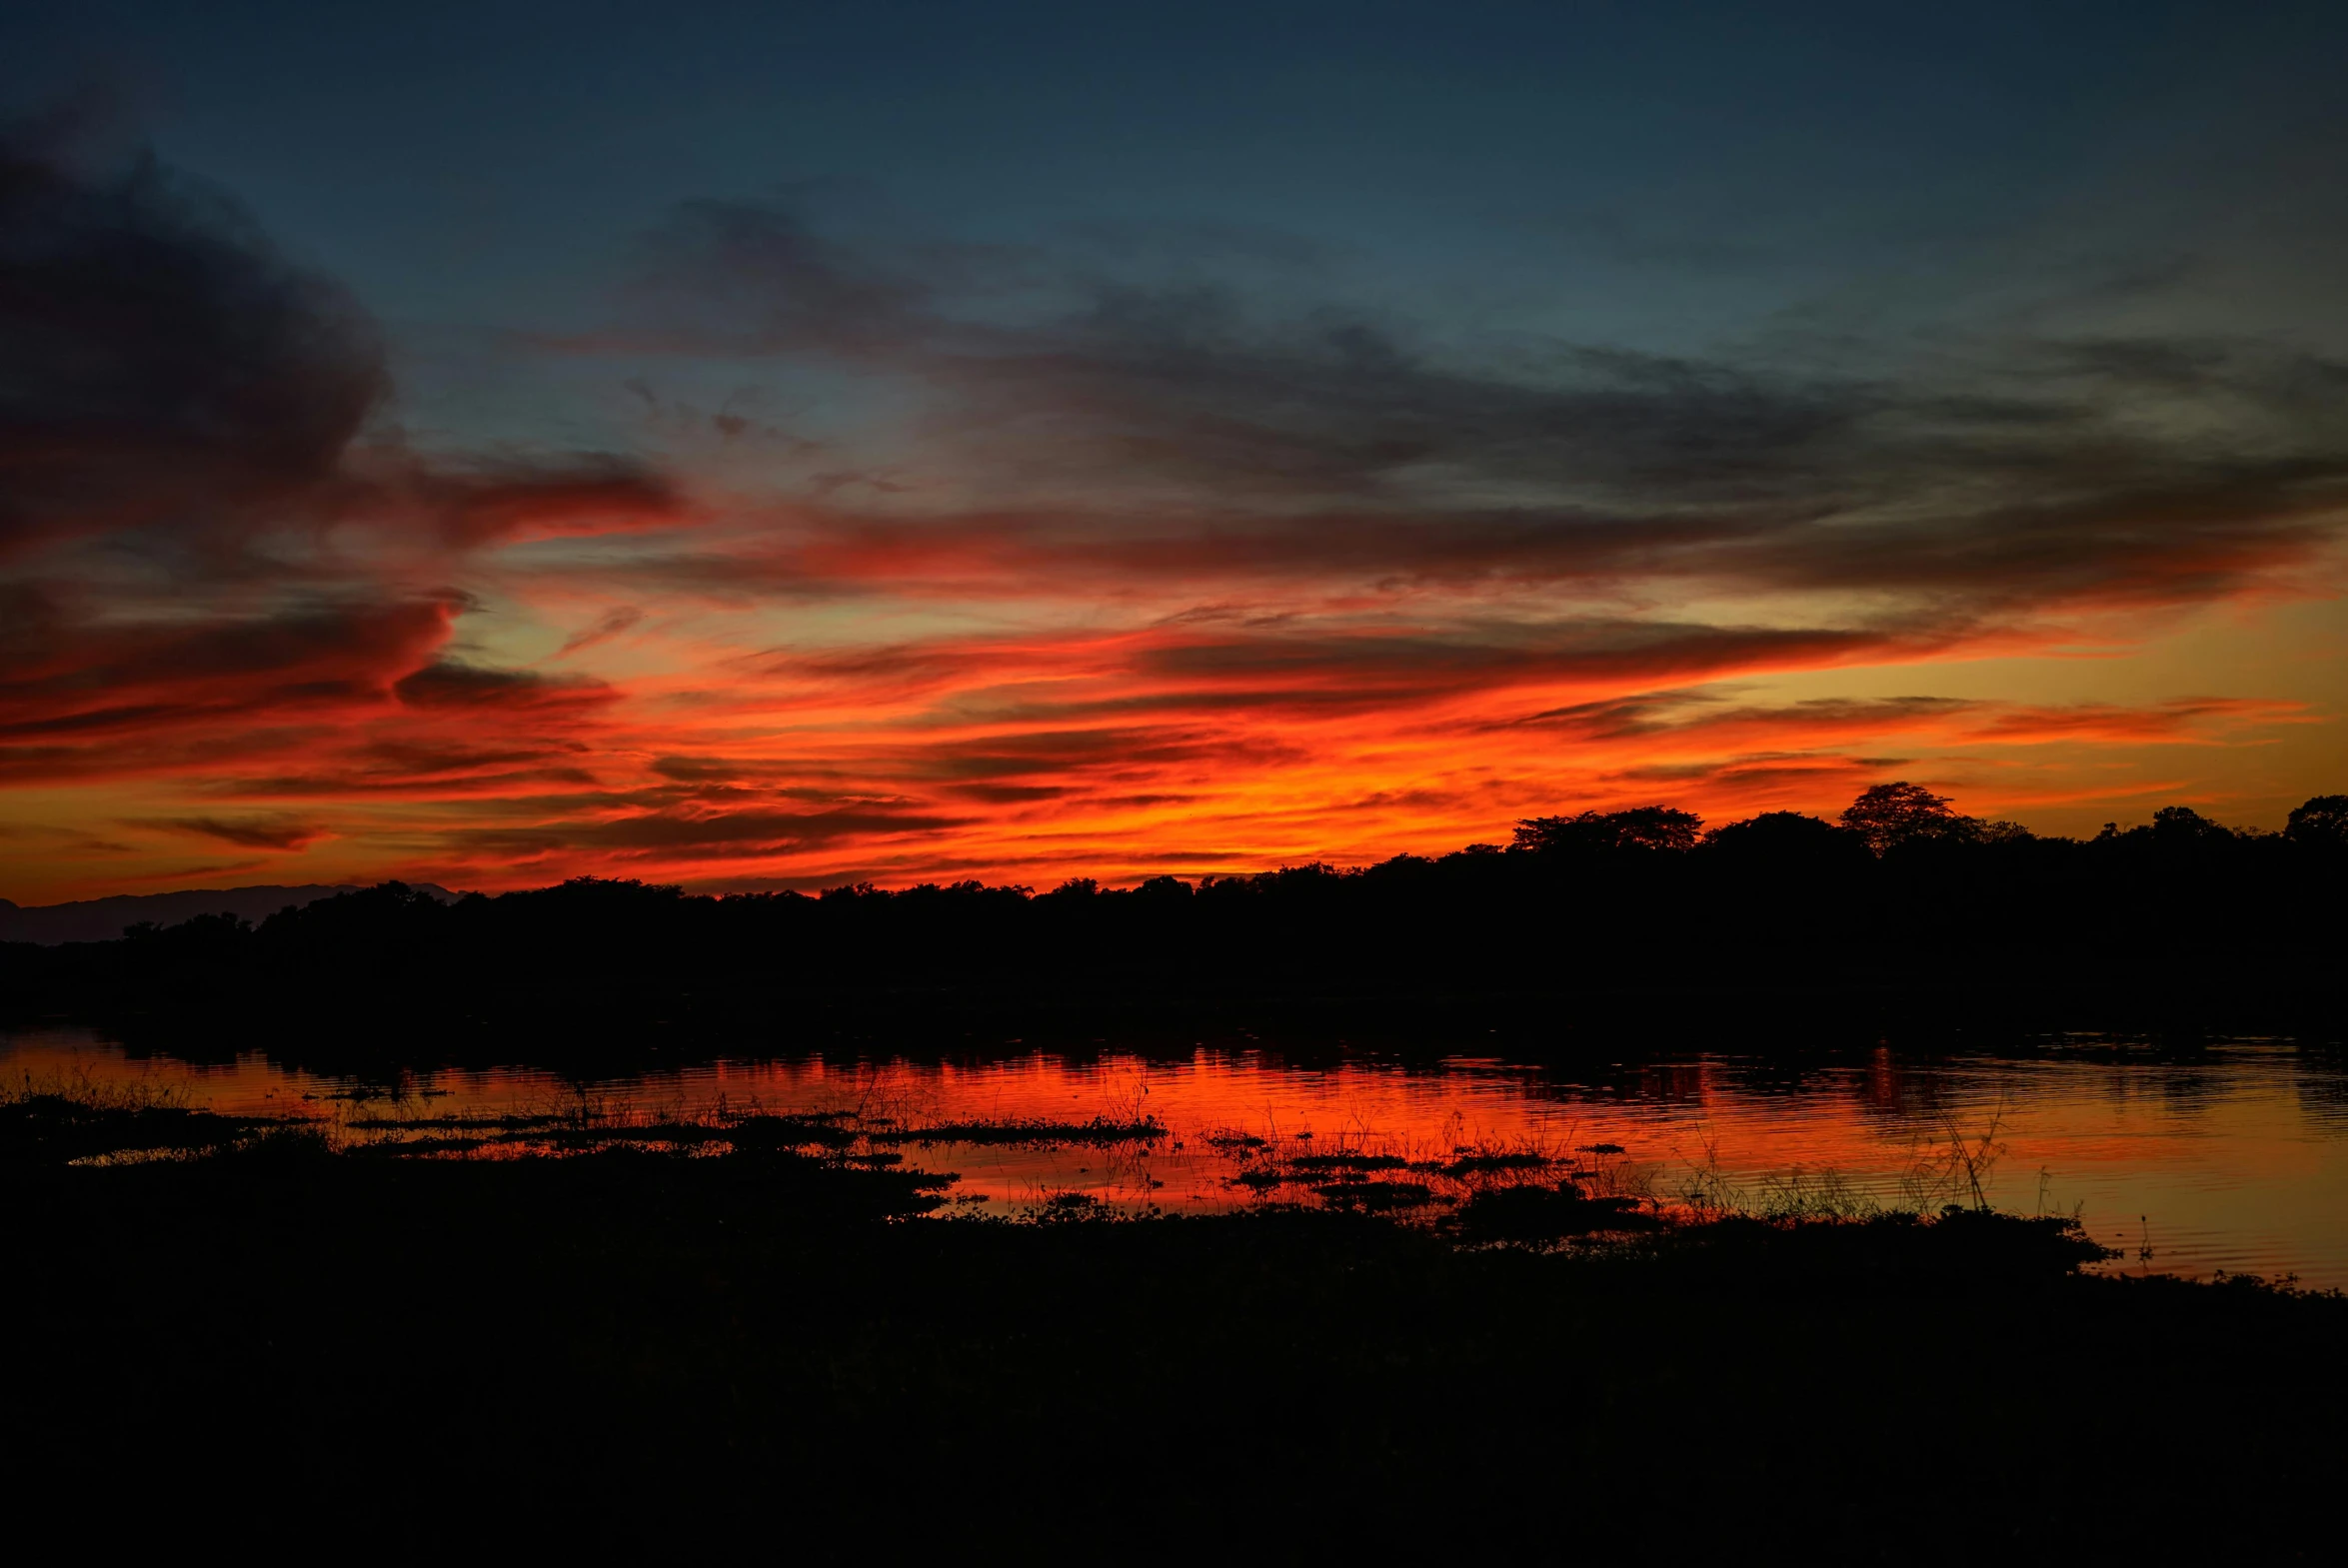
1632, 172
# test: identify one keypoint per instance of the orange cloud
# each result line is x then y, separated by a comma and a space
1147, 580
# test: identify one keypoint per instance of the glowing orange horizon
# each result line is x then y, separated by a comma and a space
662, 736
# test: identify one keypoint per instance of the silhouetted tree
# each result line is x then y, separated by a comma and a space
2183, 825
1786, 837
2321, 821
1889, 815
197, 935
1904, 891
1639, 828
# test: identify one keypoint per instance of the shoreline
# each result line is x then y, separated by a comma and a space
760, 1332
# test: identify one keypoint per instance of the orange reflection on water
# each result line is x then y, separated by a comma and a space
2236, 1158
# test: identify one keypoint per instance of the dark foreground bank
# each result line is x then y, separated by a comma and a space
767, 1349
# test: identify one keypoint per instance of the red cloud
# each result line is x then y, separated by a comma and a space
1162, 580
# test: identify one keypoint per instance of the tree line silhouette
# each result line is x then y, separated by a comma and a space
1902, 894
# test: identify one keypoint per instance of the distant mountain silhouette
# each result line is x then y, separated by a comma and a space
104, 919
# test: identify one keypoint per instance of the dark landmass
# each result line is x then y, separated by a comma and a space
650, 1354
104, 919
1902, 913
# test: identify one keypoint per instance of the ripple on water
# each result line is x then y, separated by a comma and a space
2233, 1156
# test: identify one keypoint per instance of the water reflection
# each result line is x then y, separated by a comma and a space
2232, 1154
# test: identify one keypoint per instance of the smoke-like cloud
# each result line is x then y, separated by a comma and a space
214, 548
1128, 431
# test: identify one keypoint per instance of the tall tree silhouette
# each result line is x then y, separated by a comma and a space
1890, 814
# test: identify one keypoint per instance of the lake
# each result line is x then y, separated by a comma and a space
2231, 1154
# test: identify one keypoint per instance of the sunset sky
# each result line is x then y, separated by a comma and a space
763, 447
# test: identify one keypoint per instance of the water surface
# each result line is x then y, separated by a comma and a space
2231, 1156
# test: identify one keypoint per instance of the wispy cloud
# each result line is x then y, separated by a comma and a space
274, 830
1093, 571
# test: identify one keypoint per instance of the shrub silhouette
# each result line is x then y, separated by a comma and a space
1904, 895
1640, 828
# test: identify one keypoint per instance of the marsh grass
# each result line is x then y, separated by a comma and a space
643, 1328
1948, 1167
94, 1094
1377, 1198
1538, 1191
1099, 1131
69, 1116
1494, 1164
1801, 1194
1532, 1191
1343, 1162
